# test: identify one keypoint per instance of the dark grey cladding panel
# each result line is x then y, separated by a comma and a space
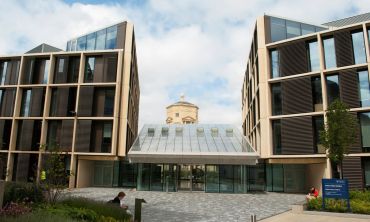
293, 58
297, 136
66, 135
44, 48
83, 136
297, 96
352, 171
349, 21
343, 48
348, 80
37, 102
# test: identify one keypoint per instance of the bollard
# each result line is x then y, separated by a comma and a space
253, 218
138, 203
2, 189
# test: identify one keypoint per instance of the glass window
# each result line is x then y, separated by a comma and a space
276, 99
313, 55
100, 39
332, 87
293, 29
364, 88
81, 43
68, 48
307, 29
90, 45
109, 102
365, 131
316, 93
73, 45
226, 173
276, 132
329, 51
212, 179
26, 100
107, 137
318, 124
60, 65
278, 30
46, 72
89, 69
275, 69
358, 47
111, 37
3, 69
164, 131
367, 172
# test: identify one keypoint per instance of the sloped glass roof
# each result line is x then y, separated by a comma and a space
192, 143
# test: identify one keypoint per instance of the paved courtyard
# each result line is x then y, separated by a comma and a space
187, 206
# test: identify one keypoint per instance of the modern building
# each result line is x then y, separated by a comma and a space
293, 72
84, 100
182, 112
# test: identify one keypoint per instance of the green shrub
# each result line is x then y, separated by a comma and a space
38, 216
360, 206
336, 205
22, 192
314, 204
100, 208
360, 195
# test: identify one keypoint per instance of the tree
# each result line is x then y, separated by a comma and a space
340, 132
54, 177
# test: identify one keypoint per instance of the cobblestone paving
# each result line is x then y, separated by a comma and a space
187, 206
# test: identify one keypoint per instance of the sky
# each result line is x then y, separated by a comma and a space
198, 48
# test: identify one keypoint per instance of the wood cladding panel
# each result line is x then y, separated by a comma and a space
343, 48
293, 58
297, 96
352, 171
348, 81
297, 136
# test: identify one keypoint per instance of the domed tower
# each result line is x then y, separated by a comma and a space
182, 112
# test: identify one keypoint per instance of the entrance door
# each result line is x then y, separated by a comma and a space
184, 178
191, 177
198, 176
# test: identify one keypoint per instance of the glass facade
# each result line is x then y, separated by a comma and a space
313, 55
364, 88
318, 126
332, 87
276, 99
100, 40
329, 53
275, 69
283, 29
358, 47
89, 69
276, 136
3, 71
316, 93
365, 131
208, 178
367, 172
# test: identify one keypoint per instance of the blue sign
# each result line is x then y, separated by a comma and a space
335, 188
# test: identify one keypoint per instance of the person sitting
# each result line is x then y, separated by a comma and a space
314, 193
117, 200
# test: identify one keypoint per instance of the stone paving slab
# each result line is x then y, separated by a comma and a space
194, 206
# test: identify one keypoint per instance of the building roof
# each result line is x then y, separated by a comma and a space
44, 48
192, 144
349, 21
182, 102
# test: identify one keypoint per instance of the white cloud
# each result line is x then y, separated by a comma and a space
189, 43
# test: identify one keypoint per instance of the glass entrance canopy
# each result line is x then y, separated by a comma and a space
192, 144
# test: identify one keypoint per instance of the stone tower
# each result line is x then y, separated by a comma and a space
182, 112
